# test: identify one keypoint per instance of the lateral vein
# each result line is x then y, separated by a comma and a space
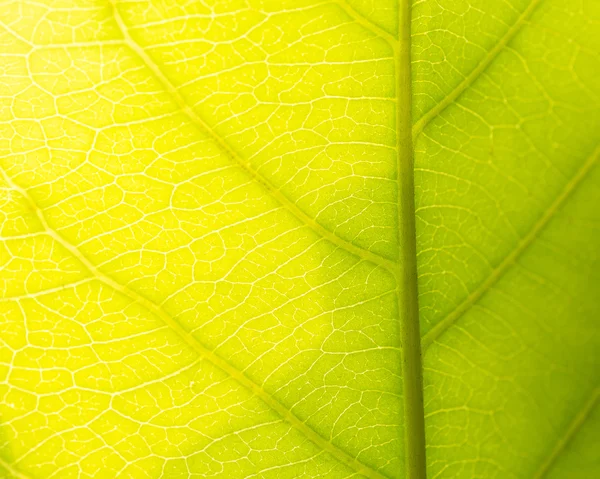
420, 125
195, 344
570, 433
13, 470
512, 258
233, 155
366, 23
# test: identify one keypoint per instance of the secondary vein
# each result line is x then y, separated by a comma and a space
408, 307
232, 154
366, 23
570, 433
195, 344
12, 470
420, 125
512, 258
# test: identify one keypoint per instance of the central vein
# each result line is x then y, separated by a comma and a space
408, 308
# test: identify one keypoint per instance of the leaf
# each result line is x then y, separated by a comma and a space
208, 264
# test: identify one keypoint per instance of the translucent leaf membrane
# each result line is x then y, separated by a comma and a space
507, 224
199, 238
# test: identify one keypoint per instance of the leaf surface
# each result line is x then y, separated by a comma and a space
208, 264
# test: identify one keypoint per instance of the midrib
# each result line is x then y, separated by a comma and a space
408, 307
405, 269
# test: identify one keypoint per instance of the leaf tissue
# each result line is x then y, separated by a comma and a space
285, 239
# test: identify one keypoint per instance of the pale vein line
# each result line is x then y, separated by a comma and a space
512, 258
366, 23
231, 153
10, 468
196, 345
570, 433
420, 125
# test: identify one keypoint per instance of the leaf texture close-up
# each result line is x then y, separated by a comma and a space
286, 239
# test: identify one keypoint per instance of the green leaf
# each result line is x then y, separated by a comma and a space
299, 239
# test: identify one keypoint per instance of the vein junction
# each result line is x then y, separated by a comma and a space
216, 184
